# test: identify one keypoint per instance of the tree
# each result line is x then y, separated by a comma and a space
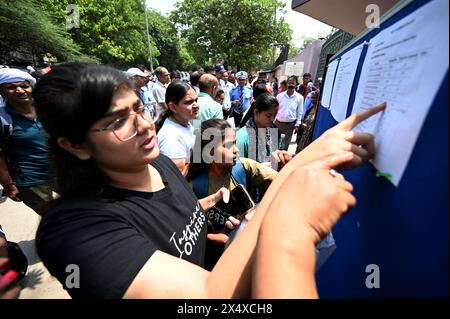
111, 30
26, 29
240, 31
173, 52
114, 32
305, 42
293, 51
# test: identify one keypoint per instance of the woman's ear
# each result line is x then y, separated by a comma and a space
79, 150
172, 107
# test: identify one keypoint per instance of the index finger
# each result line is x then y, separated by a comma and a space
357, 118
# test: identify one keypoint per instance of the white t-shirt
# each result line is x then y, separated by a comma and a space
159, 93
175, 140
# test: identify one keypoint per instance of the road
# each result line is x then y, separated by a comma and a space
20, 223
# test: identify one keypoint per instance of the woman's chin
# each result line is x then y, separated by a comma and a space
152, 155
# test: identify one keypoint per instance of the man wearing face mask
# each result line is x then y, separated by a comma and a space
290, 112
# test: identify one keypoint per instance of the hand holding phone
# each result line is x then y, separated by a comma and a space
240, 202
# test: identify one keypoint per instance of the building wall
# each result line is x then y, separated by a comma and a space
332, 45
310, 57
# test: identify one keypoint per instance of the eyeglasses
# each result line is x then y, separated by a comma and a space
126, 127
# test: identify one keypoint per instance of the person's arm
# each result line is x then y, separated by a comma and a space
299, 113
6, 180
259, 175
181, 164
232, 275
174, 147
160, 98
286, 270
230, 278
281, 157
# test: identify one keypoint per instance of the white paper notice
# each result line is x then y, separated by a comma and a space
343, 83
404, 66
328, 85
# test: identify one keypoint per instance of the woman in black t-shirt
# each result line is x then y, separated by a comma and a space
128, 225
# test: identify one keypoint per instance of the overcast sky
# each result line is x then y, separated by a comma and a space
301, 25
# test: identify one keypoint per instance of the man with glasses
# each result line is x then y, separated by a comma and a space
25, 171
159, 89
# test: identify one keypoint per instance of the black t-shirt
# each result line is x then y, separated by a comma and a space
110, 237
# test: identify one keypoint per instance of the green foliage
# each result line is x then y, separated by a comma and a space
113, 31
306, 41
174, 54
240, 31
26, 29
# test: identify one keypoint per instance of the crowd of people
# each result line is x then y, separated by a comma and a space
123, 167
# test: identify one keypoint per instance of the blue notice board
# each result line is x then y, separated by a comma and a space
404, 230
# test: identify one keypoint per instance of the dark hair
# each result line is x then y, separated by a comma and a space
258, 89
209, 68
196, 168
68, 100
175, 74
197, 68
175, 92
293, 77
263, 102
219, 92
284, 82
307, 74
195, 77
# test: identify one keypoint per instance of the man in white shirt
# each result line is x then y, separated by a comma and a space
290, 112
159, 89
227, 87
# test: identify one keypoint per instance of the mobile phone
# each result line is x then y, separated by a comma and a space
240, 202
